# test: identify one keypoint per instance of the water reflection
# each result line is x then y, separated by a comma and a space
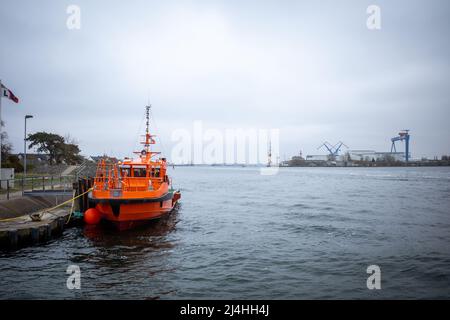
108, 248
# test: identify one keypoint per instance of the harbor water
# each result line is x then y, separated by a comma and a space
303, 233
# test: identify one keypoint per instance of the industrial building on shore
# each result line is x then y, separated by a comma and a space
366, 158
359, 155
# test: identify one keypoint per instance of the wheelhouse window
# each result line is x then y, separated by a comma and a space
139, 172
155, 172
124, 171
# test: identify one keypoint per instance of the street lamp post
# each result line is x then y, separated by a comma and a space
25, 152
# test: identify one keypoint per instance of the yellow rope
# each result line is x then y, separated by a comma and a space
71, 209
50, 209
10, 219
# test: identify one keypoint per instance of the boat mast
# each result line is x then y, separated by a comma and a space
147, 134
147, 153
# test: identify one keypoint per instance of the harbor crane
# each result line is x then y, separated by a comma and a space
402, 136
333, 150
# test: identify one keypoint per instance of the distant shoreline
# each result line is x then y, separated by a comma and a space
325, 164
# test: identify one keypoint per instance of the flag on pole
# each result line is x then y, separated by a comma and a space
5, 92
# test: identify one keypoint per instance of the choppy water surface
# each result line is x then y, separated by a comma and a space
304, 233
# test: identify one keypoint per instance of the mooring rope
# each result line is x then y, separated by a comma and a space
71, 208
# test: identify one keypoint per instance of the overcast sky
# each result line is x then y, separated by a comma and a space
310, 68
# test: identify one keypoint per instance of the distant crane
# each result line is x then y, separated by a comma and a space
333, 150
402, 136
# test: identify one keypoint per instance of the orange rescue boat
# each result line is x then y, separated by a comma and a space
133, 191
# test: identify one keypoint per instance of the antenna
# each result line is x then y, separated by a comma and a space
147, 153
147, 130
147, 117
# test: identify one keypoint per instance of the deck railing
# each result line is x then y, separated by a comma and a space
127, 183
16, 187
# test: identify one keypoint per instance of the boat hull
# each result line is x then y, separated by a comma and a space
129, 213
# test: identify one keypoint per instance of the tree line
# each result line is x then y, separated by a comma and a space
58, 148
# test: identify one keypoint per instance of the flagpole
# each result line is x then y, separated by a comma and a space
1, 130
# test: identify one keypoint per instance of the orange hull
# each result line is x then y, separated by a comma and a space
127, 215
